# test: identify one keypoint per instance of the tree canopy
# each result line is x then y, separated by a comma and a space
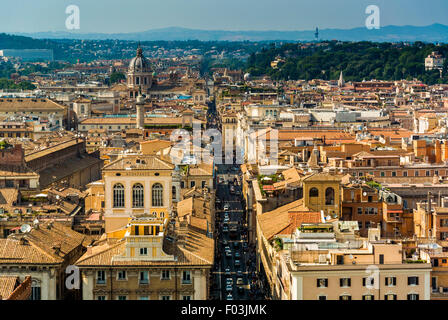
357, 60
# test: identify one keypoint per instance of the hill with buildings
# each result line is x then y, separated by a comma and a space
358, 61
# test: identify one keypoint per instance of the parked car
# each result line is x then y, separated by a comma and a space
226, 207
229, 297
229, 287
237, 263
237, 254
227, 271
239, 281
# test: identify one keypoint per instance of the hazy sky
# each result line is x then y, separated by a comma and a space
110, 16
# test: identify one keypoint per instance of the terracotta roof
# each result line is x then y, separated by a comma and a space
198, 250
40, 244
285, 219
322, 177
53, 148
15, 171
66, 168
132, 120
292, 177
330, 135
7, 286
28, 105
202, 169
8, 196
146, 162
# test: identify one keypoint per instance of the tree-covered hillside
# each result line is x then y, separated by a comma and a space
357, 60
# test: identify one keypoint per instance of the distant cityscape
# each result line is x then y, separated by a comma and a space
223, 170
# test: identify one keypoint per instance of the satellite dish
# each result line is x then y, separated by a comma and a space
36, 221
364, 193
25, 228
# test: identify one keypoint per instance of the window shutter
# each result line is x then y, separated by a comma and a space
317, 283
363, 282
349, 282
326, 283
395, 281
416, 280
341, 282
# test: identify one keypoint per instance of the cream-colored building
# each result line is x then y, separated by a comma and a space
34, 107
155, 258
375, 272
137, 185
327, 263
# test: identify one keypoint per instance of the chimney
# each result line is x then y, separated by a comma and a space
50, 225
57, 248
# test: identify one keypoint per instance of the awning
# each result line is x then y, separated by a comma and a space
40, 195
394, 211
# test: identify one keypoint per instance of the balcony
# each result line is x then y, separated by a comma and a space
394, 219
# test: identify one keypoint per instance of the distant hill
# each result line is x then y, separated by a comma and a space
431, 33
21, 42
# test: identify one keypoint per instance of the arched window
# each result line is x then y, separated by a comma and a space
138, 200
329, 196
118, 194
157, 195
314, 192
174, 193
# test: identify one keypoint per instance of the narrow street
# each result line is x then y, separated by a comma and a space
234, 276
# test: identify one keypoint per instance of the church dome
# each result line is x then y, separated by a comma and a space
139, 64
